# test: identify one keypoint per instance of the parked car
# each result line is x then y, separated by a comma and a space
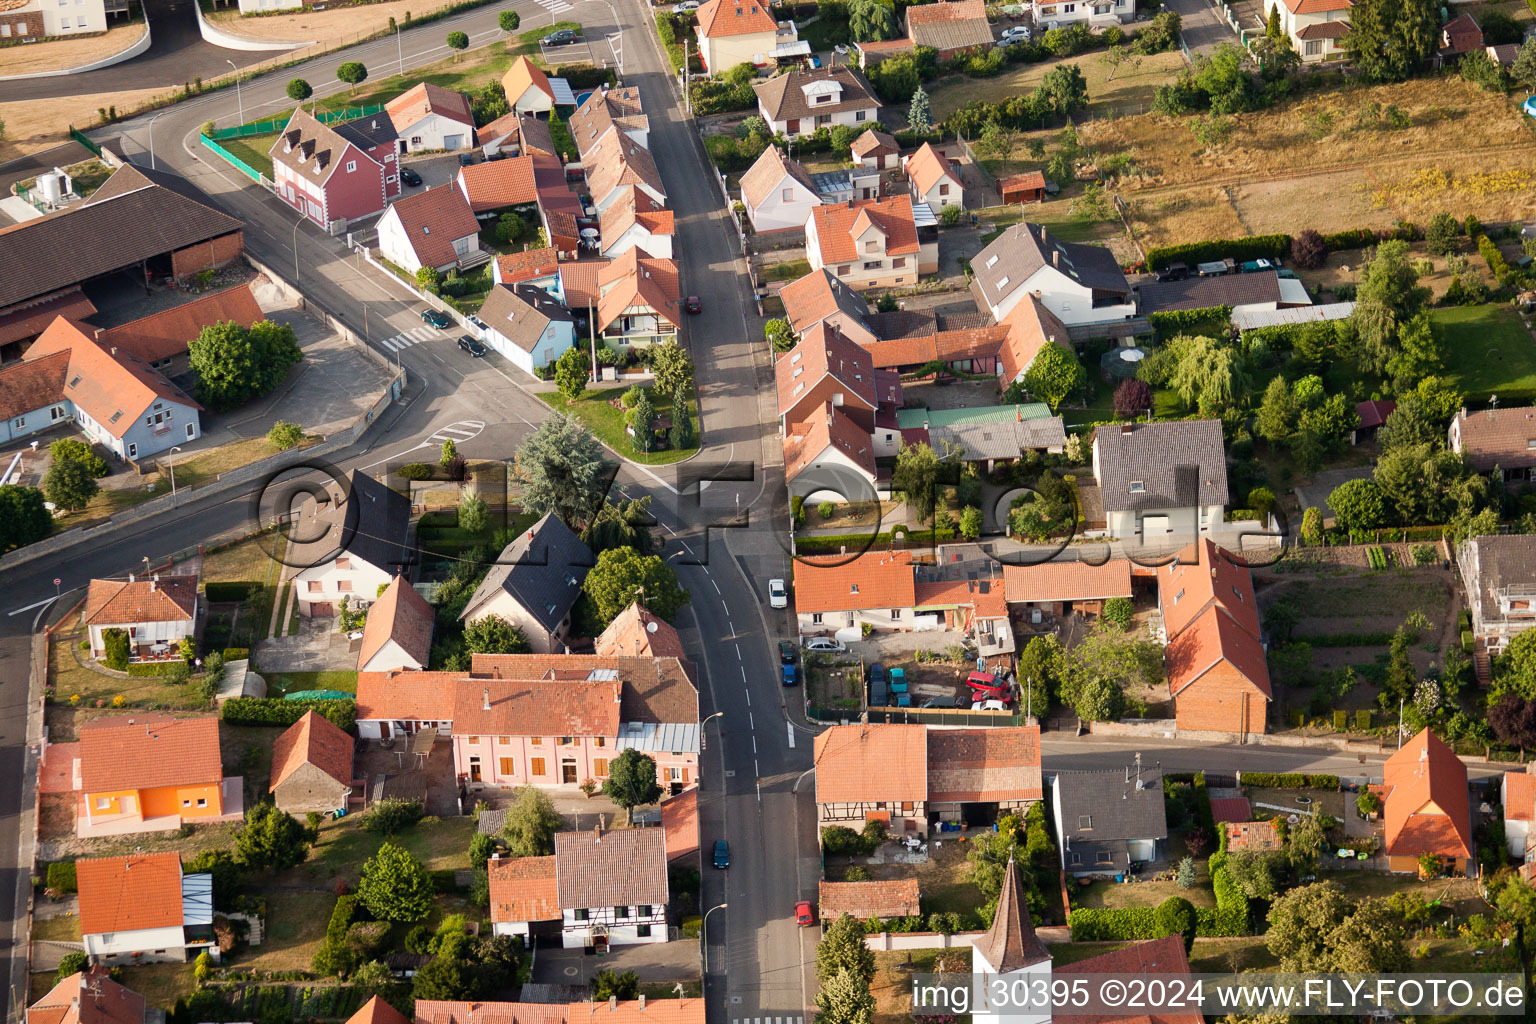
693, 305
989, 705
940, 702
778, 596
722, 854
876, 672
786, 652
436, 318
1016, 34
466, 159
1254, 266
471, 345
804, 916
790, 674
903, 700
685, 7
898, 680
826, 644
1051, 188
561, 38
1173, 272
410, 177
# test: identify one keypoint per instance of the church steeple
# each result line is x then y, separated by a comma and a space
1011, 943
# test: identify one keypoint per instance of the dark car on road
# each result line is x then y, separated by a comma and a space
561, 38
693, 305
435, 318
722, 854
787, 652
471, 345
410, 177
790, 674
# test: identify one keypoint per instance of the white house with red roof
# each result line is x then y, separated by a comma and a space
155, 613
733, 32
869, 243
635, 220
932, 178
435, 228
1316, 27
527, 88
778, 193
429, 117
1517, 795
637, 300
142, 909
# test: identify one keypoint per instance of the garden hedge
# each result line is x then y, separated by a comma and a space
236, 653
1355, 238
1174, 319
237, 591
1239, 249
1290, 780
1345, 640
61, 876
150, 669
272, 711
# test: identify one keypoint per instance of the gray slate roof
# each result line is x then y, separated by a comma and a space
611, 869
520, 314
543, 570
1025, 248
1203, 292
1102, 807
366, 132
377, 522
1504, 561
1177, 465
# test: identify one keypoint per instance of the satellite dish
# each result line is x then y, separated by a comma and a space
650, 627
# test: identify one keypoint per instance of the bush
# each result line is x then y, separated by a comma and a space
1240, 249
390, 816
414, 471
1308, 250
1118, 610
826, 510
61, 876
115, 649
1355, 238
235, 653
271, 711
72, 449
1176, 320
237, 591
1290, 780
285, 435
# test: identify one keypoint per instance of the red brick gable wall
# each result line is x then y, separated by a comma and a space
203, 255
1221, 700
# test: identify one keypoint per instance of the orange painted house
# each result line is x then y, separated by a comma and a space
1428, 809
148, 773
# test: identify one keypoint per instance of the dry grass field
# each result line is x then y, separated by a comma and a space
340, 22
1130, 91
31, 126
58, 54
1311, 164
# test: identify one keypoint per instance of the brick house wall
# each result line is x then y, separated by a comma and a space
23, 26
215, 253
310, 789
1221, 700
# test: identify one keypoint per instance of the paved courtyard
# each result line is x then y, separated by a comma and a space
317, 647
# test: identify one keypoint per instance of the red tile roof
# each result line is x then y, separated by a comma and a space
146, 751
1374, 414
425, 98
734, 18
312, 740
1519, 796
925, 167
119, 602
527, 265
987, 597
402, 615
838, 227
1230, 808
864, 900
1159, 958
432, 220
637, 279
21, 322
523, 889
33, 384
806, 440
1427, 805
1214, 637
949, 25
1252, 835
377, 1011
825, 352
113, 389
875, 579
636, 633
522, 74
984, 765
88, 998
1317, 6
761, 180
169, 332
871, 762
496, 184
1023, 182
872, 142
544, 708
634, 206
126, 894
680, 817
1204, 574
1497, 437
578, 280
1067, 581
1030, 328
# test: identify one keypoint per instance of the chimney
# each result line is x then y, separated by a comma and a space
130, 577
1056, 258
642, 1002
114, 350
154, 584
613, 1002
1126, 428
100, 331
487, 705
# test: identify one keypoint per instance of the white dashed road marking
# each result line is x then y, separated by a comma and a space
409, 338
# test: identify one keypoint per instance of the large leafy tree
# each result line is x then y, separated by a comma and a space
845, 998
632, 780
1300, 922
671, 367
1054, 375
842, 949
1388, 39
562, 471
573, 370
1426, 484
353, 72
1208, 374
394, 886
1524, 70
24, 519
871, 21
270, 839
69, 484
235, 364
1067, 89
625, 523
1388, 297
1278, 411
916, 479
1042, 667
623, 575
531, 823
1357, 505
1132, 398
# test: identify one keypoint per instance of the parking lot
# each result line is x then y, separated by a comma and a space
837, 679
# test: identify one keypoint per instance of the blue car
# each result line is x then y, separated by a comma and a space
722, 854
791, 675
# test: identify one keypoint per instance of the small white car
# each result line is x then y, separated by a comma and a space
989, 705
824, 643
778, 597
1017, 34
685, 7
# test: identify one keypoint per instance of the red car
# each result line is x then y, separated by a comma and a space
693, 305
803, 914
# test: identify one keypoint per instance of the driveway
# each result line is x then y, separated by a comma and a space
317, 647
1203, 28
651, 961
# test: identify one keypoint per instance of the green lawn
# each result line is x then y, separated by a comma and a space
1488, 351
282, 683
253, 149
788, 270
345, 844
607, 423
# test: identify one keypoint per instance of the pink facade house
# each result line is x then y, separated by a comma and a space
326, 176
545, 720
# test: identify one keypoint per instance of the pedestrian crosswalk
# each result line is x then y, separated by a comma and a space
767, 1020
409, 338
554, 6
457, 432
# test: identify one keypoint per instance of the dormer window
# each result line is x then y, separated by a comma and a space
1138, 487
853, 588
1084, 822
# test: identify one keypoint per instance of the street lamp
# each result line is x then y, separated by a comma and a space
172, 464
704, 932
238, 100
296, 248
152, 136
702, 745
